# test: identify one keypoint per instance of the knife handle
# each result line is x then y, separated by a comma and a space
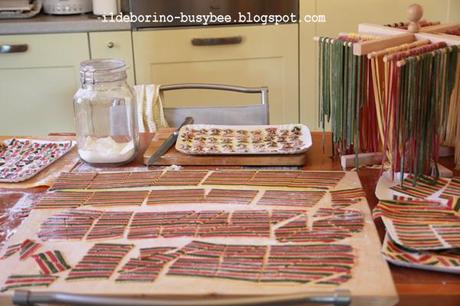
187, 121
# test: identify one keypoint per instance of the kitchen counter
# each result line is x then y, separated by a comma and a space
59, 24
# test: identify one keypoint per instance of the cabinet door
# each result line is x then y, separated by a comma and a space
113, 45
37, 85
266, 56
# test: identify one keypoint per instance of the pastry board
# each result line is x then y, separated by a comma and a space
174, 157
370, 283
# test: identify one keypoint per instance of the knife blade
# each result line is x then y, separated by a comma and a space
168, 143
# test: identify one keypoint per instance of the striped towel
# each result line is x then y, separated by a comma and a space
150, 115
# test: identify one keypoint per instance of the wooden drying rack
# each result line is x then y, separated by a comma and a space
392, 37
395, 37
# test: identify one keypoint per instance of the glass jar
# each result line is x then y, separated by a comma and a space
105, 114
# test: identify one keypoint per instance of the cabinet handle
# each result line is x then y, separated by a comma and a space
110, 44
217, 41
13, 48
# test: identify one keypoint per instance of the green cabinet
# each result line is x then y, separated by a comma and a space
37, 85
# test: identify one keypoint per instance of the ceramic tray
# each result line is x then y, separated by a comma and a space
441, 261
230, 139
21, 159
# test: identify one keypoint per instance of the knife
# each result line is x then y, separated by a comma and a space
168, 143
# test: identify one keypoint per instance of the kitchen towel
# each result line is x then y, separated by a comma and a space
150, 113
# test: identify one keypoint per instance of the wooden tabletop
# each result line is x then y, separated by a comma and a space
415, 287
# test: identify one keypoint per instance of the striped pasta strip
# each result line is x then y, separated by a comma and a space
62, 200
449, 232
150, 224
178, 196
142, 178
111, 225
100, 198
25, 249
317, 179
71, 224
273, 178
28, 247
51, 262
117, 198
148, 266
325, 264
452, 190
346, 197
230, 177
73, 180
291, 198
239, 223
454, 204
100, 261
426, 186
11, 250
105, 180
420, 224
418, 236
298, 179
180, 178
197, 196
329, 225
145, 253
30, 280
277, 216
223, 196
108, 180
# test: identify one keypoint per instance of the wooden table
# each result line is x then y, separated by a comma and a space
415, 287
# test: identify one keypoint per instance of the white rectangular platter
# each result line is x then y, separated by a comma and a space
201, 139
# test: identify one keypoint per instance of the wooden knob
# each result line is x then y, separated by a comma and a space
414, 14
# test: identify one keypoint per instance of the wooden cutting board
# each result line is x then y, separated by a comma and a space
174, 157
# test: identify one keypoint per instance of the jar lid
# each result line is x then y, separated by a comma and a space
102, 70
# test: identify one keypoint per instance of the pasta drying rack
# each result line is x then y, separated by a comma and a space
393, 37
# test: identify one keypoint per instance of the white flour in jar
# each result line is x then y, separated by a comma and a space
106, 150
